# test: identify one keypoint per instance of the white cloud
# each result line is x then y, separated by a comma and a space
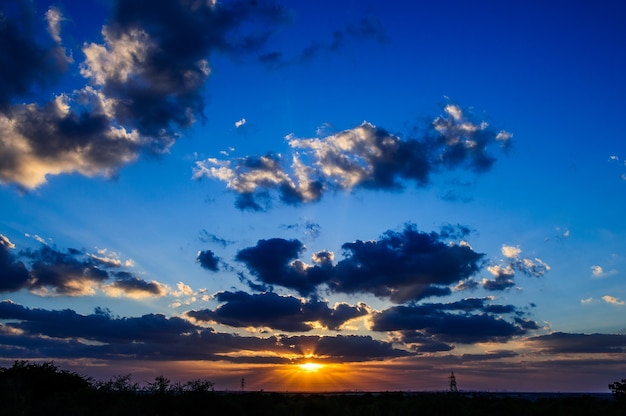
599, 272
118, 60
586, 301
36, 238
240, 123
4, 240
613, 300
54, 19
510, 251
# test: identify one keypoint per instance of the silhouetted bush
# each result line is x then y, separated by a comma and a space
619, 390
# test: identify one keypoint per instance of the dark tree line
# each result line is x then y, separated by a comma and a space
44, 389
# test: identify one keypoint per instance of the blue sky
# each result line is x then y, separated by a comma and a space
395, 191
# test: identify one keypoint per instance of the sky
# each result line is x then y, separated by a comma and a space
390, 191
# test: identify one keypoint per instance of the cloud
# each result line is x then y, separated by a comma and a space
599, 272
41, 333
142, 86
26, 63
363, 157
126, 284
54, 17
207, 237
208, 260
563, 343
61, 273
344, 348
365, 28
503, 278
510, 251
613, 300
109, 259
468, 321
240, 123
50, 272
275, 261
286, 313
310, 229
400, 266
14, 275
505, 272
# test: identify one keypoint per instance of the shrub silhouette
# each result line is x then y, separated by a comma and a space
39, 380
619, 390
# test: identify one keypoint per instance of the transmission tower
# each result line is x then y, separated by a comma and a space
452, 379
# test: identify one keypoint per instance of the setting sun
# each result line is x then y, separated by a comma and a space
311, 366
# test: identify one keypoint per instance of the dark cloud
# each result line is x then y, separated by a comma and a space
13, 274
32, 333
363, 157
342, 348
422, 343
400, 266
564, 343
134, 286
95, 327
208, 260
48, 271
63, 273
26, 63
275, 261
285, 313
503, 279
454, 232
466, 322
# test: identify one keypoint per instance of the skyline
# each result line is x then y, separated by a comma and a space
232, 189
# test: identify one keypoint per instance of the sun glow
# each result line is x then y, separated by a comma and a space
311, 367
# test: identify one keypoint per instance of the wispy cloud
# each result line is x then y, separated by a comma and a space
613, 300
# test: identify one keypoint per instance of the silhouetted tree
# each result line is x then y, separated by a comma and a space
40, 380
619, 390
161, 385
118, 384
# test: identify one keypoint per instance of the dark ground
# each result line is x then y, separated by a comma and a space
90, 402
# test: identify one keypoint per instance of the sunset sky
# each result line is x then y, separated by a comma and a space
389, 190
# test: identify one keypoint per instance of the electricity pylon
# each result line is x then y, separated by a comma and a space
452, 379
